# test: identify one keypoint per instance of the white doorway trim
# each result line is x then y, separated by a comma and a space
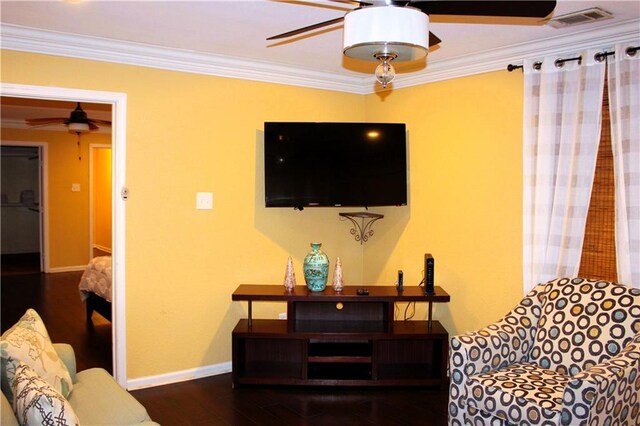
43, 170
118, 103
92, 147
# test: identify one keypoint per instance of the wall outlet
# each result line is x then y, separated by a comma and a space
282, 315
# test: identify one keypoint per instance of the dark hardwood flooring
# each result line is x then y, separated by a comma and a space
211, 400
20, 264
56, 299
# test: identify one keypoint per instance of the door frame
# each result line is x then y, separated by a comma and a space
43, 182
92, 147
118, 102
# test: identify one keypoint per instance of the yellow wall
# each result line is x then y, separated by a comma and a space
68, 211
101, 186
465, 156
188, 133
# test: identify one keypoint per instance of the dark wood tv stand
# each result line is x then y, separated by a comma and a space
340, 338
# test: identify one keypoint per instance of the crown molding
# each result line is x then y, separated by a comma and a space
498, 59
26, 39
15, 37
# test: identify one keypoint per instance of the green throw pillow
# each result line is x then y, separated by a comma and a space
28, 341
37, 403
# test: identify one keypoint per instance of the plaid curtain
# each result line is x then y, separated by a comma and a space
562, 120
624, 104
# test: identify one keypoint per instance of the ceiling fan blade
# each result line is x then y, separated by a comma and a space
92, 126
353, 2
502, 8
34, 121
433, 39
44, 121
100, 122
309, 28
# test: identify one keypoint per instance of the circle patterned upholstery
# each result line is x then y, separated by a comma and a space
519, 392
584, 335
584, 323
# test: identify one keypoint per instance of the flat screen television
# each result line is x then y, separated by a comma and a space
335, 164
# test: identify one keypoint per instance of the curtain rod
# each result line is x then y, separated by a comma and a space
599, 57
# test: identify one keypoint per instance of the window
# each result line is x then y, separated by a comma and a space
599, 249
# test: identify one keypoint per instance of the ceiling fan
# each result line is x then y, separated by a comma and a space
77, 122
398, 29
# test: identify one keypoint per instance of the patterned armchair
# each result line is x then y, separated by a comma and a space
568, 354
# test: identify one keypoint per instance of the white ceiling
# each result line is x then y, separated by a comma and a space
229, 37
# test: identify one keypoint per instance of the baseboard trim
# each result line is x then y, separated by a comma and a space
102, 248
67, 269
179, 376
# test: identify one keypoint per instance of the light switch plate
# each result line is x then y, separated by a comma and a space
75, 187
204, 200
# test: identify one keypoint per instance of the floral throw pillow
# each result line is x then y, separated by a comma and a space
28, 341
35, 402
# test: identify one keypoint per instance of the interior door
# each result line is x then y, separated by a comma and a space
21, 208
118, 103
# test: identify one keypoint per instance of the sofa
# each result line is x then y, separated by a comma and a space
567, 354
89, 397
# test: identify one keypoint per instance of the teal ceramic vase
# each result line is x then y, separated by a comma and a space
316, 268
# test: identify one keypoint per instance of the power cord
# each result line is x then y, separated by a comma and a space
411, 305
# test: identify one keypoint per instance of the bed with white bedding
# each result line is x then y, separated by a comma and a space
95, 287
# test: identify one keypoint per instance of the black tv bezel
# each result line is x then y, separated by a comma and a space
300, 203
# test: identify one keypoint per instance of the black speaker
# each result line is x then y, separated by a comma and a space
400, 280
428, 273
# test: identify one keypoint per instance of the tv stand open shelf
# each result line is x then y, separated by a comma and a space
340, 338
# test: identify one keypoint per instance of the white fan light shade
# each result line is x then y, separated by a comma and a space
403, 31
78, 127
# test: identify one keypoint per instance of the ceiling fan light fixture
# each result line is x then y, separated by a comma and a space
378, 30
385, 72
78, 127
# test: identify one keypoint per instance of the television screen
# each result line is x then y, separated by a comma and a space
335, 164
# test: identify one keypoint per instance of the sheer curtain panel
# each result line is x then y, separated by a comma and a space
562, 119
624, 104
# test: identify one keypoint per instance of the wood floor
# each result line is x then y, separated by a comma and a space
56, 299
210, 401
